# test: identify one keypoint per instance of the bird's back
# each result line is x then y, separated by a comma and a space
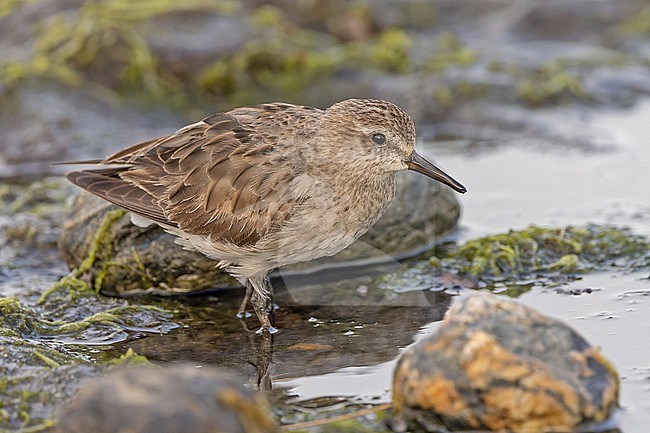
225, 178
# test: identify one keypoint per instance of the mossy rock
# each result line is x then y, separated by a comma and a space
535, 249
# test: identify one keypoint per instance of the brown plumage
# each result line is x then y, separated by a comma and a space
265, 186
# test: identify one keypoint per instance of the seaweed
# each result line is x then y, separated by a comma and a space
42, 344
551, 83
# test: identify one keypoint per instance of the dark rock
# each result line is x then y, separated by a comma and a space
17, 27
186, 42
573, 20
624, 85
561, 128
174, 399
136, 258
495, 364
459, 12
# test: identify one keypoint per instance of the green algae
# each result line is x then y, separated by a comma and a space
339, 419
34, 375
100, 246
144, 278
130, 357
16, 319
28, 218
40, 365
40, 199
391, 51
638, 24
558, 81
551, 83
539, 249
282, 59
351, 426
31, 391
24, 351
42, 345
46, 359
19, 320
8, 6
366, 423
449, 51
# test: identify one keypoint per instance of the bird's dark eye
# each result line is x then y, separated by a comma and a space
378, 138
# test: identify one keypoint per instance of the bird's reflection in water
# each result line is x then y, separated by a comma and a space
353, 328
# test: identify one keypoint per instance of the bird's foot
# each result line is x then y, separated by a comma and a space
265, 320
270, 329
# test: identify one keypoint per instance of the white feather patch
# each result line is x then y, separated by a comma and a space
140, 221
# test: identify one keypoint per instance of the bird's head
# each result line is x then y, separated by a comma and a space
380, 137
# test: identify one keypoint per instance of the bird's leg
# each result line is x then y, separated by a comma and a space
260, 304
272, 306
242, 313
261, 300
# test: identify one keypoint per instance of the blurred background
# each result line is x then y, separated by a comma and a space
87, 77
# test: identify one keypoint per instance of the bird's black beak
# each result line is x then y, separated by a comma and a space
421, 165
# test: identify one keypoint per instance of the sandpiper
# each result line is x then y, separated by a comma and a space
264, 186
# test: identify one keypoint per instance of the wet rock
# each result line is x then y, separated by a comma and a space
616, 83
174, 399
196, 40
34, 374
30, 393
489, 125
495, 364
127, 258
573, 20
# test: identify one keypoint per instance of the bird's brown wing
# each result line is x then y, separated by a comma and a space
221, 178
107, 184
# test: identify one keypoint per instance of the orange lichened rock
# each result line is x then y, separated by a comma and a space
498, 365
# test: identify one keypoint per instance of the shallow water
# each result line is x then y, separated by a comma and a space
513, 187
615, 317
